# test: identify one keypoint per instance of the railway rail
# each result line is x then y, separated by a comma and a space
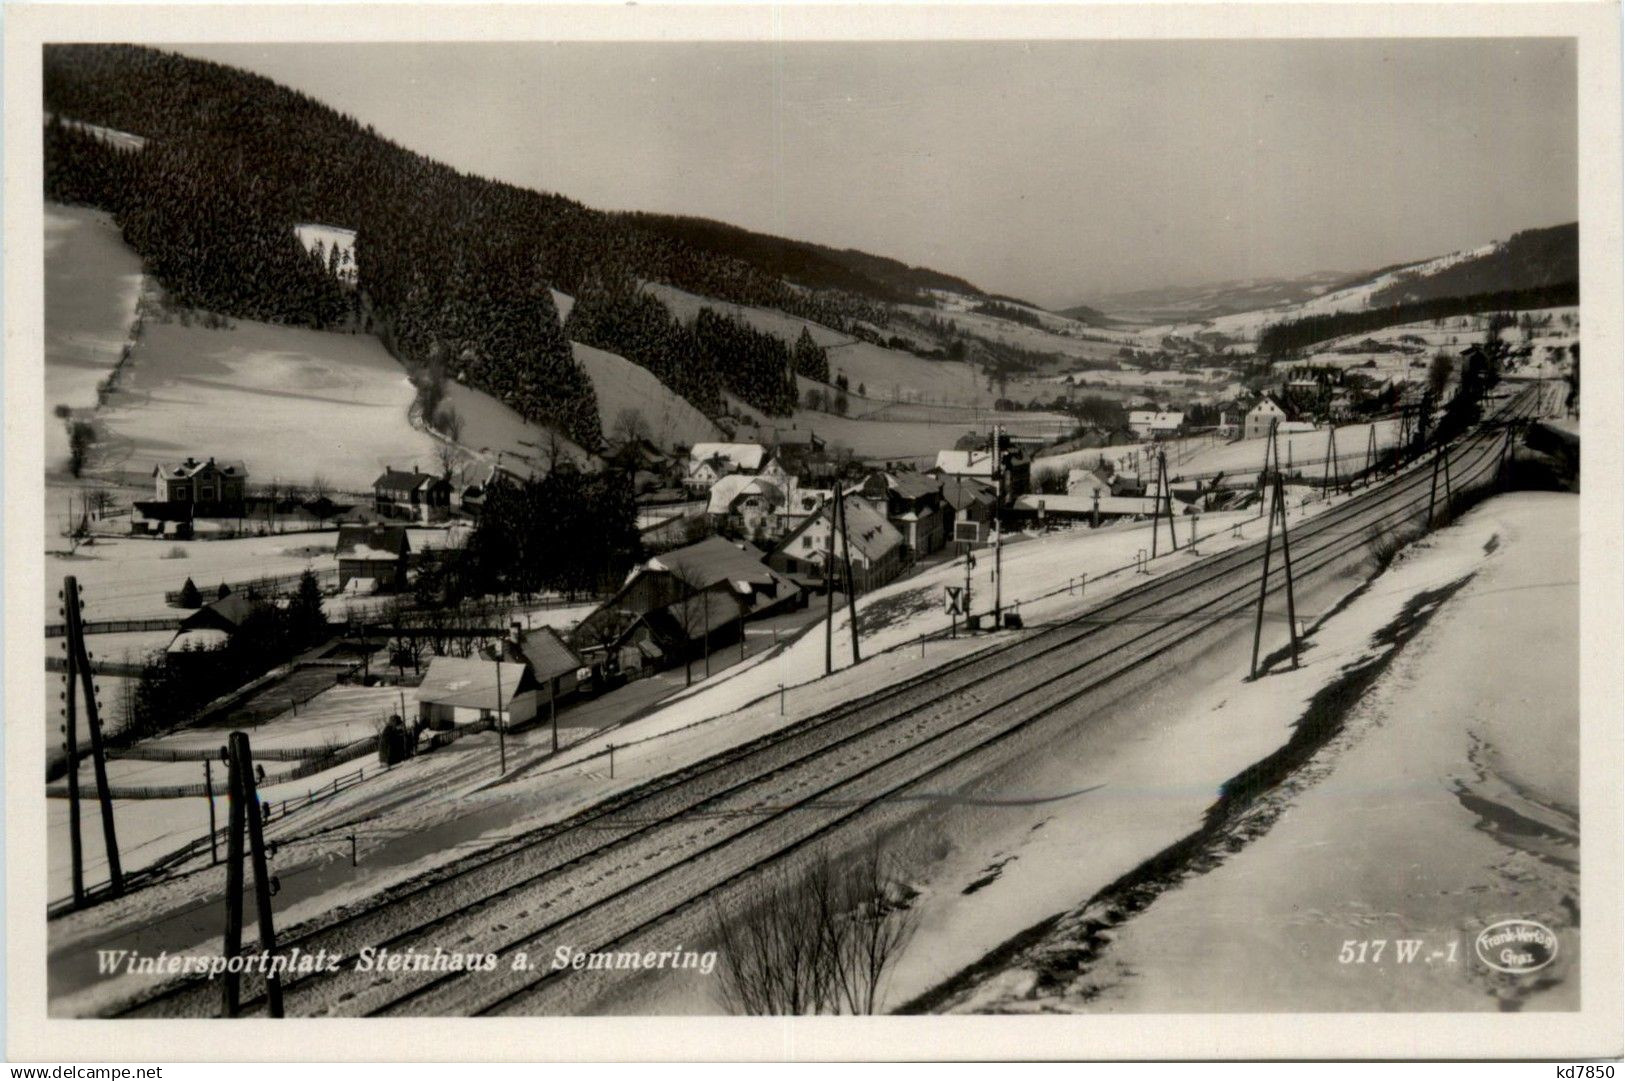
610, 873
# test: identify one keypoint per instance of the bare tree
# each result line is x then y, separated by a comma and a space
629, 427
818, 941
448, 452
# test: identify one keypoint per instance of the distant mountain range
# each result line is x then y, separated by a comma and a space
1190, 303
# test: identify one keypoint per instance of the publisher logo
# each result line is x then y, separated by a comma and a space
1516, 946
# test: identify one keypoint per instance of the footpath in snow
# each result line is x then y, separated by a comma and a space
1433, 792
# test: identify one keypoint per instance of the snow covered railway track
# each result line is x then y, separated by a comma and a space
666, 844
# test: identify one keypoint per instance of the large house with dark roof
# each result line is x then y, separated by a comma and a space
913, 504
876, 547
414, 496
204, 484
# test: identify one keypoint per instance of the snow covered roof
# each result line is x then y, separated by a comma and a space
1085, 504
400, 479
962, 492
965, 463
472, 682
380, 542
747, 457
912, 485
729, 488
715, 560
191, 467
1155, 420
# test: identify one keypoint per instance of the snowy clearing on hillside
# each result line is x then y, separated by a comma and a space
622, 386
292, 404
92, 284
1440, 804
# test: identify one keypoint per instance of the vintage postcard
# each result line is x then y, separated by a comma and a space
966, 531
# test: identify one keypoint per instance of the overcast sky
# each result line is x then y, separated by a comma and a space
1052, 171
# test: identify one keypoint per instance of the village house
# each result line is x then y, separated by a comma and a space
554, 666
747, 507
681, 603
877, 550
414, 496
372, 558
458, 691
710, 462
207, 485
912, 503
1262, 417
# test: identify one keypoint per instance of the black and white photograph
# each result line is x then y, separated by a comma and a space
712, 526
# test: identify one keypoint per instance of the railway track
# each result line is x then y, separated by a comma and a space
603, 876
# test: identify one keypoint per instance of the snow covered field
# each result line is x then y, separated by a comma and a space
1443, 801
127, 577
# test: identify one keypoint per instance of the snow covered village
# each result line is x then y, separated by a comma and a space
474, 587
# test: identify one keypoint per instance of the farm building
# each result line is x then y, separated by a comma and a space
913, 504
212, 626
372, 558
877, 548
414, 496
461, 690
683, 601
207, 484
978, 463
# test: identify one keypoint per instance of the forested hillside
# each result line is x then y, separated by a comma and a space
453, 269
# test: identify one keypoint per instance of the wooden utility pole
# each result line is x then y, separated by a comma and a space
1433, 487
231, 983
208, 792
502, 734
1278, 509
253, 811
829, 590
998, 522
846, 558
74, 613
70, 697
1330, 472
1370, 453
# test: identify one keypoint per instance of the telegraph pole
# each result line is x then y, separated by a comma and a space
74, 612
846, 558
1278, 509
263, 885
71, 740
829, 591
1330, 472
998, 522
502, 734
